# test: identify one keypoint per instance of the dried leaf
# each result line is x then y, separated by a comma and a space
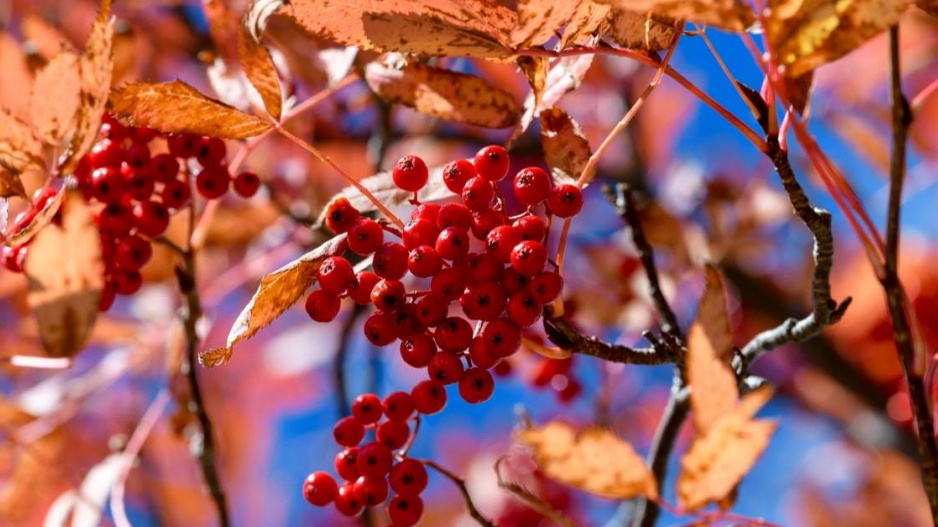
566, 149
648, 30
731, 15
55, 98
445, 94
713, 384
176, 107
276, 293
541, 20
929, 6
20, 149
564, 76
588, 19
39, 221
11, 185
712, 315
66, 274
805, 35
535, 70
260, 70
595, 460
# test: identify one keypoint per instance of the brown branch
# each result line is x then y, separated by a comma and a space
461, 483
895, 296
561, 333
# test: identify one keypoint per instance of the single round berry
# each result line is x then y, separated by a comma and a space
484, 221
531, 186
164, 167
142, 134
346, 464
347, 503
454, 215
405, 511
322, 306
546, 286
429, 396
503, 336
485, 301
418, 349
492, 162
398, 406
478, 194
501, 241
529, 257
476, 385
431, 309
420, 232
335, 275
320, 489
365, 236
514, 282
374, 460
379, 328
452, 243
211, 152
367, 408
404, 322
453, 334
565, 200
481, 354
137, 182
184, 145
408, 478
212, 182
484, 267
246, 184
523, 309
370, 491
118, 219
341, 215
13, 257
531, 228
113, 131
175, 194
388, 295
445, 367
107, 185
349, 431
457, 173
424, 261
426, 211
362, 285
390, 261
107, 154
449, 283
138, 157
410, 173
132, 253
151, 218
127, 282
393, 434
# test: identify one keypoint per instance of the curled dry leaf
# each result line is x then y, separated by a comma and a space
541, 20
648, 30
40, 220
731, 15
588, 19
260, 70
66, 274
445, 94
564, 76
176, 107
55, 98
805, 35
276, 293
595, 460
535, 70
20, 149
566, 149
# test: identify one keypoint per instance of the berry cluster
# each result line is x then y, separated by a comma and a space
136, 191
468, 251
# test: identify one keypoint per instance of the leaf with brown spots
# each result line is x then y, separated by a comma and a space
20, 149
588, 19
260, 70
445, 94
176, 107
276, 293
56, 98
594, 460
535, 70
541, 20
66, 274
648, 30
731, 15
566, 149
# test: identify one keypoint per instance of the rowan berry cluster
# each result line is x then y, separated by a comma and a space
136, 190
468, 251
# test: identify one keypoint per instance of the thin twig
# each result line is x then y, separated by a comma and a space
561, 333
461, 483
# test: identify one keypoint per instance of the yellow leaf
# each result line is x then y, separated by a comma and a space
55, 98
713, 384
648, 30
566, 149
445, 94
541, 20
260, 70
66, 274
588, 19
804, 35
20, 149
595, 460
276, 293
731, 15
176, 107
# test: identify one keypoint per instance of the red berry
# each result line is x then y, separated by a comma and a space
408, 478
452, 243
322, 306
523, 309
531, 185
426, 211
113, 131
570, 391
456, 173
404, 322
108, 295
492, 162
13, 257
424, 261
565, 200
405, 511
374, 459
445, 367
484, 221
478, 194
138, 157
529, 257
420, 232
367, 408
503, 368
164, 167
175, 194
107, 185
429, 397
482, 355
142, 134
151, 218
211, 152
132, 253
320, 489
514, 282
117, 219
127, 282
485, 301
247, 184
503, 336
212, 182
546, 286
476, 385
361, 287
346, 464
390, 261
341, 215
379, 328
137, 182
107, 154
410, 173
399, 406
431, 309
418, 349
370, 491
454, 215
335, 275
365, 236
531, 228
388, 295
184, 145
501, 240
449, 283
453, 334
347, 503
349, 431
484, 267
393, 434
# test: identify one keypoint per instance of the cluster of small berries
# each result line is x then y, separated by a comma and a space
468, 251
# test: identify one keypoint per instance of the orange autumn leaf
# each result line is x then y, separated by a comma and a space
647, 30
563, 76
589, 18
10, 185
713, 384
260, 70
20, 149
566, 149
176, 107
731, 15
712, 315
56, 98
540, 20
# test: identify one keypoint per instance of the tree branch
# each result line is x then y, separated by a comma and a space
561, 333
461, 483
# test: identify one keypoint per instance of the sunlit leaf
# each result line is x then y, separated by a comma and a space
648, 30
260, 70
566, 149
564, 76
589, 18
20, 149
712, 315
713, 384
56, 98
732, 15
541, 20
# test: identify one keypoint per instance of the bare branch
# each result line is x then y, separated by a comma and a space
561, 333
461, 483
